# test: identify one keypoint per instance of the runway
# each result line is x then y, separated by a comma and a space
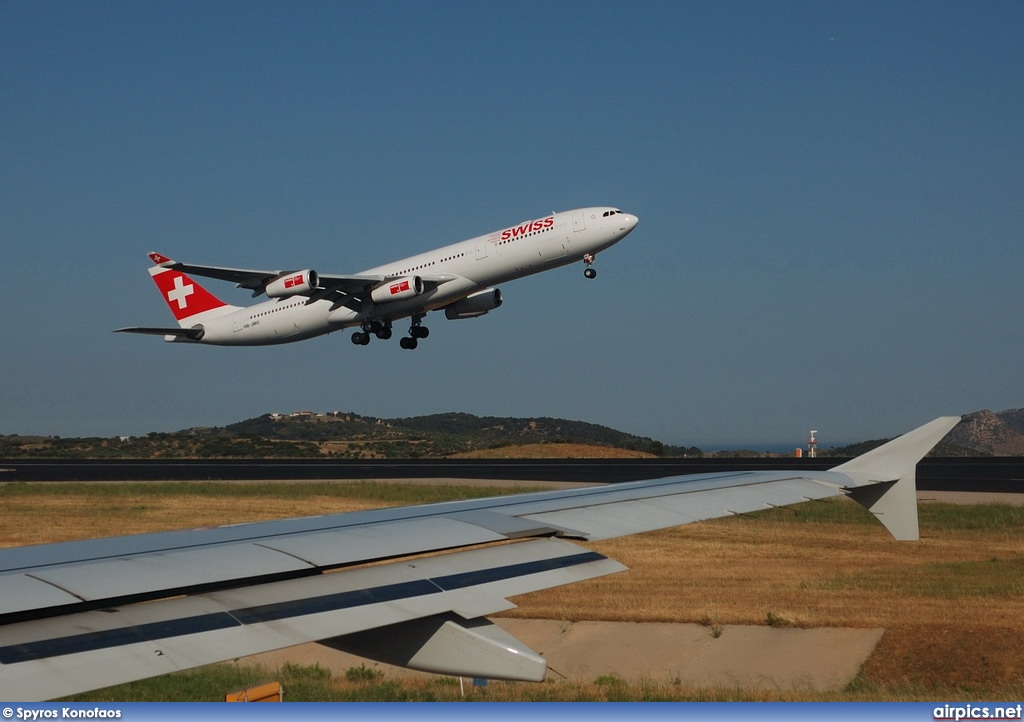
978, 474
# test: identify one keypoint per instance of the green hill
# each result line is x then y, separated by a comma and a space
343, 435
346, 435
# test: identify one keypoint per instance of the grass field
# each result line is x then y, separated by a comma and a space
952, 603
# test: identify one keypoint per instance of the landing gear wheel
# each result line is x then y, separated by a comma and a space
360, 338
384, 334
590, 272
419, 331
408, 342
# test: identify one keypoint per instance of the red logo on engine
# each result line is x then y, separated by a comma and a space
399, 287
293, 281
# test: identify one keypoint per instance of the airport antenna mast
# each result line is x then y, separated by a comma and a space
812, 444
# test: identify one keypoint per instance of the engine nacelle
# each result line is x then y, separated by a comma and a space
398, 290
476, 305
289, 284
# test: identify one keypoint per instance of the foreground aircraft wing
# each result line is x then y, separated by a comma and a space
408, 586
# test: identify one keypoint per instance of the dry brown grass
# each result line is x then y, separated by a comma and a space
554, 451
81, 516
952, 603
737, 570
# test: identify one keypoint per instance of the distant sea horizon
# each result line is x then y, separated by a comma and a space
768, 448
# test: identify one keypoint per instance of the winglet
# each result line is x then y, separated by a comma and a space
160, 259
885, 480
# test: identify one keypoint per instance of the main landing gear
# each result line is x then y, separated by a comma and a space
380, 329
589, 271
416, 332
383, 331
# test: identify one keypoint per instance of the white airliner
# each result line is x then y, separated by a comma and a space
459, 278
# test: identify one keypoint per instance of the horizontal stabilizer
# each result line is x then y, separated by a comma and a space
192, 334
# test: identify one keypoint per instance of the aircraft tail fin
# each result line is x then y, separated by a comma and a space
188, 301
887, 479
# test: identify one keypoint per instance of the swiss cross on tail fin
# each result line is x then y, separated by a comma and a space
183, 296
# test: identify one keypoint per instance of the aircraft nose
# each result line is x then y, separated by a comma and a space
629, 221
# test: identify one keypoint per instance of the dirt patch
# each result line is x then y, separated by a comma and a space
687, 654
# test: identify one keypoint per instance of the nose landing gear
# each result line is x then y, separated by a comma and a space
589, 271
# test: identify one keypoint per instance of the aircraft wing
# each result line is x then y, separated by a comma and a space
330, 285
256, 279
408, 586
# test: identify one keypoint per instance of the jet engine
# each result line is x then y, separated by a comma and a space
397, 289
475, 305
292, 283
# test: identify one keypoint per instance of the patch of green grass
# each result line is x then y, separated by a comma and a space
827, 511
945, 580
971, 517
362, 673
205, 684
934, 517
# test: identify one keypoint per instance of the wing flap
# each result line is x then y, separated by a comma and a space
443, 645
381, 541
41, 659
121, 577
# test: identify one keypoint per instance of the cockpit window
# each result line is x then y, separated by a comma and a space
609, 213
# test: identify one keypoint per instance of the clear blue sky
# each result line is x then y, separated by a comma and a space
831, 203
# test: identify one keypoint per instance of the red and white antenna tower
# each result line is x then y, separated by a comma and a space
812, 444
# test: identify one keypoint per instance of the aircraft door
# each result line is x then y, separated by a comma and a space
551, 248
481, 250
579, 222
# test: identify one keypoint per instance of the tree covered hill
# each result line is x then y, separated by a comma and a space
982, 433
439, 435
996, 433
346, 435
